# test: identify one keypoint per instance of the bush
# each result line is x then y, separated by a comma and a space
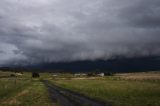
12, 75
35, 75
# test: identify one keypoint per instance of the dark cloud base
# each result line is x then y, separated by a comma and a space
151, 63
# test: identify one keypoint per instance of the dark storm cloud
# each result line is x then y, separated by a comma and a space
66, 30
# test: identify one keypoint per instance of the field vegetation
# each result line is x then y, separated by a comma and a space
118, 90
23, 90
124, 89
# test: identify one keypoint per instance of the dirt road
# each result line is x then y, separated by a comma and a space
66, 97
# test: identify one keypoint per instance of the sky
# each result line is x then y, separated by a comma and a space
44, 31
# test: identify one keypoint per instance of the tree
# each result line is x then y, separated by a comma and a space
35, 75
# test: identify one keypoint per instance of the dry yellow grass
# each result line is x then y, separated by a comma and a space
140, 76
13, 100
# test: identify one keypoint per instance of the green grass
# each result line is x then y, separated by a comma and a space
26, 91
36, 95
8, 87
115, 91
119, 90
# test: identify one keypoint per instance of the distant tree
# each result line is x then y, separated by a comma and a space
35, 75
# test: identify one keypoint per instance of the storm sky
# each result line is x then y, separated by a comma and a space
41, 31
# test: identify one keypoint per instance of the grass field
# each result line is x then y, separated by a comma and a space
117, 90
127, 89
9, 87
23, 91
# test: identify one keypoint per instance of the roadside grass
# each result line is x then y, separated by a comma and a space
9, 87
25, 93
23, 90
37, 95
116, 91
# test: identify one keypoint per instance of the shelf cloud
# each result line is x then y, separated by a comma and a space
41, 31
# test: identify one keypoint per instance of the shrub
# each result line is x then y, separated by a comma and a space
12, 75
35, 75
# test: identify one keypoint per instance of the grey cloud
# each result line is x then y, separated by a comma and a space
145, 13
1, 51
70, 30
